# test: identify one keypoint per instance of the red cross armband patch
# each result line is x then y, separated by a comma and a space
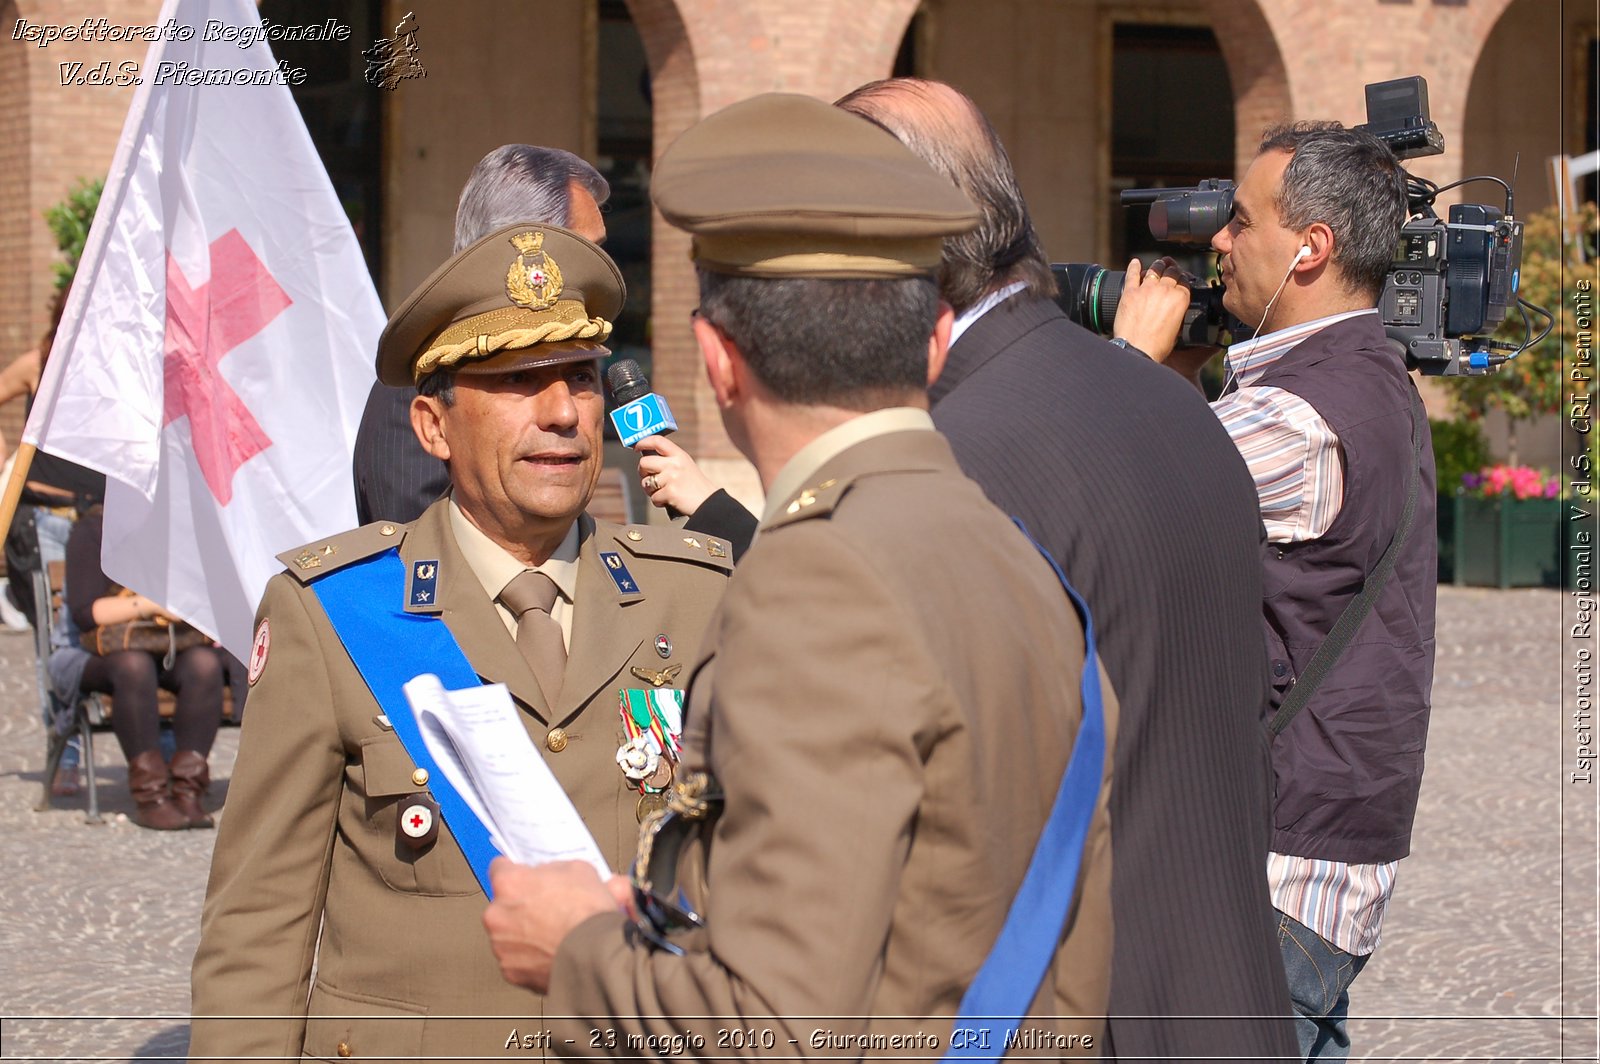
258, 650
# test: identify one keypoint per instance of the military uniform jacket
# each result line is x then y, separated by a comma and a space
308, 841
888, 698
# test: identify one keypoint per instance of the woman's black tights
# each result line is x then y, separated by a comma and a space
131, 678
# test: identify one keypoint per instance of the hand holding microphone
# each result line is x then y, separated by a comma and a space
670, 476
667, 472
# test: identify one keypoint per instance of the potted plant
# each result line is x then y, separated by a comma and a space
1459, 450
1507, 528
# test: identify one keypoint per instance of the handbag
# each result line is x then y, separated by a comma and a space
156, 635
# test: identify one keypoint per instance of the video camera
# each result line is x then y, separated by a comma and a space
1449, 287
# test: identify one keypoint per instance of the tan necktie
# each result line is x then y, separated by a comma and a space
529, 597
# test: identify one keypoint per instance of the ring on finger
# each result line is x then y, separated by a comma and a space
651, 483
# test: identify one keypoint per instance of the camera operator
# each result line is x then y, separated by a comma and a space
1320, 406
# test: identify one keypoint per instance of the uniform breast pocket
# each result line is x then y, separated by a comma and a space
385, 778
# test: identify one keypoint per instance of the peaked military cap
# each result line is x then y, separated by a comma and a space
783, 185
526, 295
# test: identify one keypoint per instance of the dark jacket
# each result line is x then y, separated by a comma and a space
395, 478
1121, 471
1349, 765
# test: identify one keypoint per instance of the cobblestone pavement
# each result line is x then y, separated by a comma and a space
1489, 943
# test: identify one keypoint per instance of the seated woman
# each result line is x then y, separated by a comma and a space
166, 798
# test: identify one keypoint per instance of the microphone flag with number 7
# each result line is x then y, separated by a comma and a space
215, 351
643, 412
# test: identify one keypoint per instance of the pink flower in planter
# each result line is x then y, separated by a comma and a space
1519, 482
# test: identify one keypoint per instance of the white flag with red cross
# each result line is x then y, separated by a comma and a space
217, 346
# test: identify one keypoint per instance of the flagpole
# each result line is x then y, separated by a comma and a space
19, 477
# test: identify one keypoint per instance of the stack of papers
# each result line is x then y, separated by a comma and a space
477, 739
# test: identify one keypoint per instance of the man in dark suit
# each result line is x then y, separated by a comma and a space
1128, 481
395, 478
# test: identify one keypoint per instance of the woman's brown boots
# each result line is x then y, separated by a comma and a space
191, 776
153, 806
169, 799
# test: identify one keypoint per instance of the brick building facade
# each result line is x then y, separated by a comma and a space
1062, 81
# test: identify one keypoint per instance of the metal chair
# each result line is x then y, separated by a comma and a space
62, 721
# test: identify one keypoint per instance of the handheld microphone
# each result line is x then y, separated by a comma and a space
640, 412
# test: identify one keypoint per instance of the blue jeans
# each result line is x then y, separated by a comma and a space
1320, 975
53, 530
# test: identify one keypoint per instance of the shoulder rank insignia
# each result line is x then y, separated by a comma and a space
618, 569
809, 496
424, 583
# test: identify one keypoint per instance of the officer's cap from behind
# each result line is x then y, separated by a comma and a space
783, 185
526, 295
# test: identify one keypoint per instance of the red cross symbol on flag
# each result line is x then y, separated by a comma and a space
203, 325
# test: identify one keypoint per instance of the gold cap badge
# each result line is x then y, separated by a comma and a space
534, 280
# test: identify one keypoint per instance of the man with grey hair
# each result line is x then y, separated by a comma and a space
1148, 508
395, 479
1321, 408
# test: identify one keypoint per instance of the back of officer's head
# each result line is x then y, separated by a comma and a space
817, 236
1350, 181
947, 131
854, 344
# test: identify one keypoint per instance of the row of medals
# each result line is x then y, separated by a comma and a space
653, 789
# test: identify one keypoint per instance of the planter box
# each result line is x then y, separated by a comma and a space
1507, 542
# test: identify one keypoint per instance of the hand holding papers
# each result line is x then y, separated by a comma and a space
478, 741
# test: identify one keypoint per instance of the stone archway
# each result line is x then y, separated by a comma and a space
1515, 101
1261, 95
1306, 61
675, 99
704, 56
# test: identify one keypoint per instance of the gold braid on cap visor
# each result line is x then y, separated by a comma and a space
506, 329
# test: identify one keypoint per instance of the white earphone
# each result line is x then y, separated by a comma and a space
1304, 252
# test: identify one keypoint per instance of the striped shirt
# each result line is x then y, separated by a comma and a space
1292, 453
1293, 456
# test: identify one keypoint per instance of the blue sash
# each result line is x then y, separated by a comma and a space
390, 647
993, 1006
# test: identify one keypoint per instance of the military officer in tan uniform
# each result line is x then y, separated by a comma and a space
341, 917
881, 717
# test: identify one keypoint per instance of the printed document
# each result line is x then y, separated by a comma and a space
477, 738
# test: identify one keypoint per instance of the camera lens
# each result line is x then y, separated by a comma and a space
1191, 217
1089, 294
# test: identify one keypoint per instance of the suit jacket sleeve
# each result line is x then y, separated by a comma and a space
269, 874
395, 478
723, 515
822, 708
